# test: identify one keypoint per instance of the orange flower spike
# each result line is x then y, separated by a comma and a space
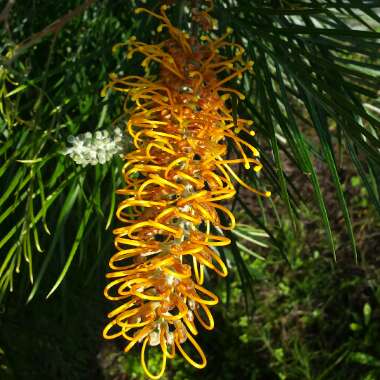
174, 180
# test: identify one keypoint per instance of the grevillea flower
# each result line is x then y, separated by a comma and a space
97, 148
175, 180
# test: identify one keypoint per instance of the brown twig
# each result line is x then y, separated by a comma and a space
7, 10
4, 15
54, 27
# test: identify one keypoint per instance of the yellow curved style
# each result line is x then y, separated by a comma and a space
175, 179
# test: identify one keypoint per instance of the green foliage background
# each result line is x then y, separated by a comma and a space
302, 300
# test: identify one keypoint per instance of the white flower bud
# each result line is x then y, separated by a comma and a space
95, 148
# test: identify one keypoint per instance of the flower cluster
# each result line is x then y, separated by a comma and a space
175, 179
95, 148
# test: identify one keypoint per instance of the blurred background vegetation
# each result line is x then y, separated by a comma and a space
302, 297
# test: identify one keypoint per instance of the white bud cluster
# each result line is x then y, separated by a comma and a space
95, 148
